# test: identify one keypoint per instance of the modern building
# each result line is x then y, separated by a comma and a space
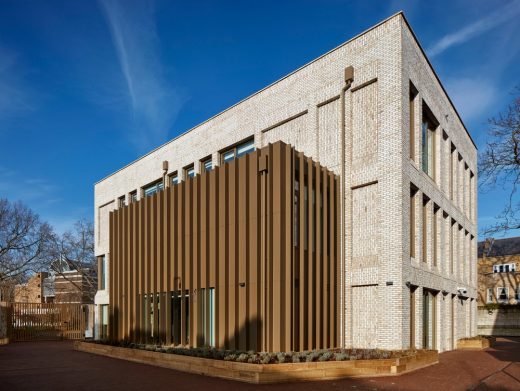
499, 271
335, 207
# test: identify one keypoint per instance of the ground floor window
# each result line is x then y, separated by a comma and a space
489, 296
502, 294
103, 314
429, 319
207, 316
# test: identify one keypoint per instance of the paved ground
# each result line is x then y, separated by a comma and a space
55, 366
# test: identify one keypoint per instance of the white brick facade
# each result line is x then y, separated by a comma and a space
304, 109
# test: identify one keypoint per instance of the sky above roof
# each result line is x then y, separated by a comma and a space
87, 87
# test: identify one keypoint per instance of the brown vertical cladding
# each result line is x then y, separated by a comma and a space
262, 231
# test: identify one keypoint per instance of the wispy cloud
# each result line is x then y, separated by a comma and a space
472, 96
492, 20
14, 93
153, 100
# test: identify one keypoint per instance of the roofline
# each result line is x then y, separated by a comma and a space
256, 93
437, 77
292, 73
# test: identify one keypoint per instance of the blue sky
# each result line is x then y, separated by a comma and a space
86, 87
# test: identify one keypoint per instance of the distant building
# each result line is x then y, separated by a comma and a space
32, 290
499, 271
62, 284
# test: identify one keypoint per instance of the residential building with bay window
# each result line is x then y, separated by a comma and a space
335, 207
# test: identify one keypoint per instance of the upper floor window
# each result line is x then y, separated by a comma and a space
133, 196
238, 150
429, 124
153, 188
413, 94
517, 293
504, 268
174, 178
190, 171
207, 165
102, 273
121, 201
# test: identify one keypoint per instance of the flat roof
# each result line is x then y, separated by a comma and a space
292, 73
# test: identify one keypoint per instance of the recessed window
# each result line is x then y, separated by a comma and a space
429, 124
153, 188
413, 95
174, 178
517, 293
190, 171
207, 165
133, 196
121, 201
238, 150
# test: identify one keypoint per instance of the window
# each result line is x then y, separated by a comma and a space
133, 196
434, 232
413, 192
103, 321
452, 170
504, 268
425, 229
153, 188
502, 294
413, 95
489, 296
102, 279
238, 150
207, 316
121, 201
189, 172
429, 124
174, 179
207, 165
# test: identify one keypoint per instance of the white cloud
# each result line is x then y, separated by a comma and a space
154, 102
492, 20
472, 96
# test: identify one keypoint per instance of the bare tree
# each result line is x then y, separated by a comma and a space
24, 241
74, 251
499, 163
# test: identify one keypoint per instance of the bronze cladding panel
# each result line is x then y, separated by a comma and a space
269, 249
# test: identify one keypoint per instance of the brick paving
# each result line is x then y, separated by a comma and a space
56, 366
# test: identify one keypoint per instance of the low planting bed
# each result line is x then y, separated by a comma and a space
255, 367
479, 342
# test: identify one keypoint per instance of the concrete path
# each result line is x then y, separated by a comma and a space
56, 366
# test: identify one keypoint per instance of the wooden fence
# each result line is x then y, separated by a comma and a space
45, 321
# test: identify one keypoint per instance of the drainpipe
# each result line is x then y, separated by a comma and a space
349, 78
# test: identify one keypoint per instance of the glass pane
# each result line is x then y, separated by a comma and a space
208, 165
175, 180
190, 172
245, 148
160, 186
229, 156
425, 146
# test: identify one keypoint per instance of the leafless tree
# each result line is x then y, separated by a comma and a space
24, 241
499, 164
74, 251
